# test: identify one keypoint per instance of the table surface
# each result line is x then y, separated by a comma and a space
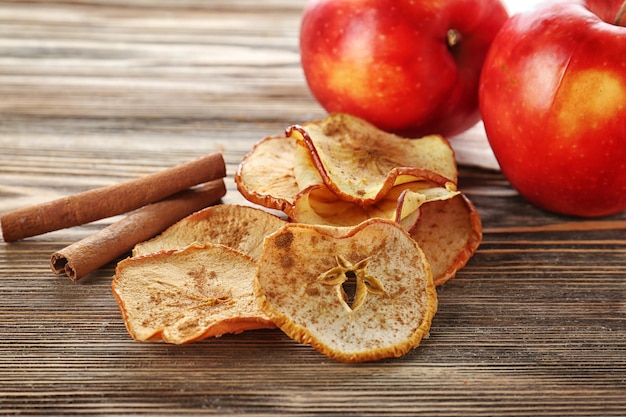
97, 92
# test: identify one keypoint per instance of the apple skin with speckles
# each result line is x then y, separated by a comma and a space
410, 67
553, 100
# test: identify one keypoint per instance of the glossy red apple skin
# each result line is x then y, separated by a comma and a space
388, 61
553, 101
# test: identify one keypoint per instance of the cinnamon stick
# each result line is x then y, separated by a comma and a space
110, 201
89, 254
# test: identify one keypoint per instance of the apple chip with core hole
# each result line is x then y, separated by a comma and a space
187, 295
355, 294
239, 227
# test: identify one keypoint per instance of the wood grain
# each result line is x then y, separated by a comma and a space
96, 92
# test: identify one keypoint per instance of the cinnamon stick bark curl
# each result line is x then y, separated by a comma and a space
110, 201
89, 254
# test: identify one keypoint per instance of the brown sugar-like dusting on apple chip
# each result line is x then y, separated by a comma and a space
361, 163
187, 295
449, 232
354, 294
239, 227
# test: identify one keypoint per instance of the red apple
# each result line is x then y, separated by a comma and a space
553, 101
410, 67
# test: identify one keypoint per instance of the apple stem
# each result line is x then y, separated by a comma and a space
454, 37
620, 14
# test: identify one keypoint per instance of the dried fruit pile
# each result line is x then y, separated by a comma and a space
341, 170
375, 223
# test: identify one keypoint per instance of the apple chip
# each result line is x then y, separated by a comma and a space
318, 205
187, 295
449, 232
354, 293
361, 163
305, 173
265, 176
239, 227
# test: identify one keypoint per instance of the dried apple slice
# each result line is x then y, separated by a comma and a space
187, 295
449, 232
413, 196
318, 205
239, 227
265, 176
361, 163
305, 173
303, 284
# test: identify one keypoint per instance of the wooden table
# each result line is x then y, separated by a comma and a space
96, 92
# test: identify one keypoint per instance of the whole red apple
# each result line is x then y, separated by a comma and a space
553, 101
410, 67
